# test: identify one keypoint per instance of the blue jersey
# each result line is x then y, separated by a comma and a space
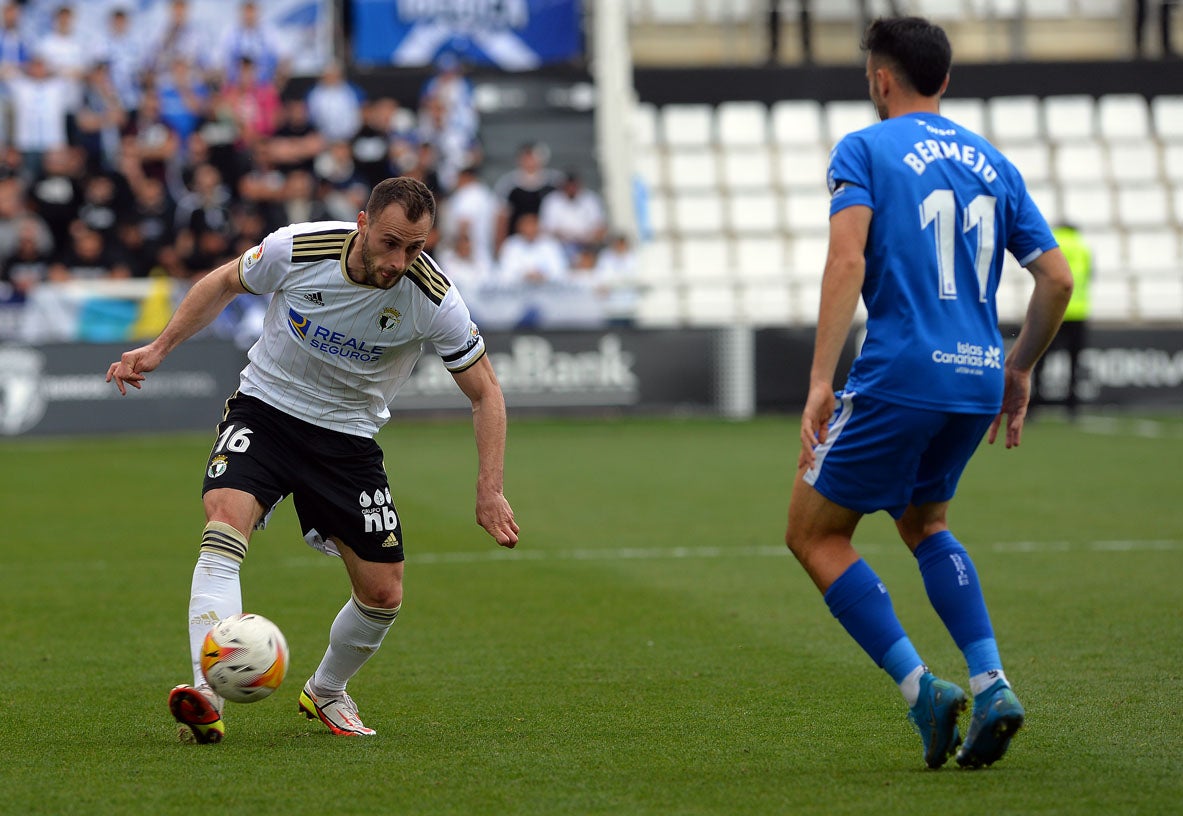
946, 205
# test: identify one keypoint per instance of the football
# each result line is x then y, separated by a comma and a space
244, 658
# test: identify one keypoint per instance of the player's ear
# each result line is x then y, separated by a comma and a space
361, 220
944, 86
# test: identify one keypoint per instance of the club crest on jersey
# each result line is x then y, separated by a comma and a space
217, 466
389, 318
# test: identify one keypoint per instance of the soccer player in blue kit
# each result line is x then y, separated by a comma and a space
921, 212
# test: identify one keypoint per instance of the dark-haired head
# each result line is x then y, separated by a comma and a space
411, 194
918, 51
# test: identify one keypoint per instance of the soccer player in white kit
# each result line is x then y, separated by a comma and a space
353, 307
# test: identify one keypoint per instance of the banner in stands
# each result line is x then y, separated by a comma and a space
514, 35
1121, 366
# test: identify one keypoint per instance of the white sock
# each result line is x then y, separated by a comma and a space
216, 594
910, 685
980, 682
356, 634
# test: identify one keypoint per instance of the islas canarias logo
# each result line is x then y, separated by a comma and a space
325, 340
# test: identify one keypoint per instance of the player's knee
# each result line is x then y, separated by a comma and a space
382, 607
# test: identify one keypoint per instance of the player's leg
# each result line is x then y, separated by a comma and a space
955, 591
356, 633
237, 481
347, 490
866, 465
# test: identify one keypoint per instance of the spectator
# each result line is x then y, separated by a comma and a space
522, 189
206, 208
453, 92
300, 201
341, 187
1141, 15
14, 45
252, 103
253, 40
134, 251
148, 141
263, 188
178, 39
14, 211
468, 270
56, 194
154, 212
122, 49
425, 169
104, 197
617, 280
334, 105
100, 120
88, 256
373, 148
28, 265
573, 214
471, 210
530, 258
184, 98
64, 54
455, 147
40, 111
296, 142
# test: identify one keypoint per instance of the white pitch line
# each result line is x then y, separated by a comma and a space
491, 556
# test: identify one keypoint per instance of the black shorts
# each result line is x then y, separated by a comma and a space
337, 481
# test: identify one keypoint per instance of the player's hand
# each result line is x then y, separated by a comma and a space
1015, 396
131, 367
815, 421
496, 516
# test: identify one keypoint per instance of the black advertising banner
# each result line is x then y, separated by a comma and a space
61, 389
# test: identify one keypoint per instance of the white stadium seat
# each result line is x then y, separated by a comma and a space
807, 211
1152, 252
1047, 199
657, 211
1070, 117
807, 258
1160, 299
1134, 161
1087, 205
803, 167
1111, 299
1123, 116
1108, 251
704, 258
747, 168
969, 112
1014, 118
797, 122
1167, 113
657, 261
660, 307
742, 123
753, 213
1143, 206
1076, 162
760, 258
710, 303
766, 303
687, 124
1173, 162
1033, 160
847, 116
698, 214
692, 169
647, 164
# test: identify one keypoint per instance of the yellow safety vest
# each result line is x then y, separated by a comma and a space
1080, 261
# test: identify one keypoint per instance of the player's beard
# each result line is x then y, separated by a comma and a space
373, 276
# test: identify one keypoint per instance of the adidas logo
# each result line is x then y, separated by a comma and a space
315, 299
206, 618
390, 541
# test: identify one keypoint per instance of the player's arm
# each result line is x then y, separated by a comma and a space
1045, 311
204, 302
479, 384
842, 283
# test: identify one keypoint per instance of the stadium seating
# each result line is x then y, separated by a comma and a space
739, 206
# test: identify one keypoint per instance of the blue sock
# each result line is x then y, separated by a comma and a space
861, 604
956, 594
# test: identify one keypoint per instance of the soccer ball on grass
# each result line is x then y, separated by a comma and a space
244, 658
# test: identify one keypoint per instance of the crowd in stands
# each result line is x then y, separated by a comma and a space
124, 156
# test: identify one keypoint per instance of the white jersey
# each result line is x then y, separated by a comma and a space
333, 352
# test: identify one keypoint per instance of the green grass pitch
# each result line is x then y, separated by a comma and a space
650, 647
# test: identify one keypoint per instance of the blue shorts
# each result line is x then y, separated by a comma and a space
882, 456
